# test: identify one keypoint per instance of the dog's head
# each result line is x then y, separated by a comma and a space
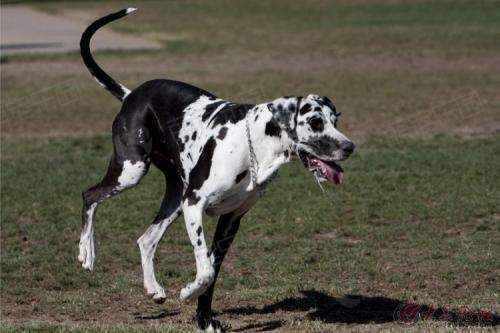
311, 123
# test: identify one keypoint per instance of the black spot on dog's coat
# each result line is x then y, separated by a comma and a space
287, 153
241, 176
272, 128
193, 137
200, 172
305, 108
222, 133
193, 199
198, 242
230, 113
198, 231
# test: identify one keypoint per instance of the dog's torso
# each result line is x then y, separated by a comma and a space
205, 139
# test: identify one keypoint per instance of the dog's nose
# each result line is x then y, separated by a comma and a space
347, 147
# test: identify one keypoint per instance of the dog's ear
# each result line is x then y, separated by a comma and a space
329, 103
284, 115
271, 107
280, 114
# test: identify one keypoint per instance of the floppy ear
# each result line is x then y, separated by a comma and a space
281, 115
284, 115
271, 108
329, 103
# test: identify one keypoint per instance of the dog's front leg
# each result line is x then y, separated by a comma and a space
204, 268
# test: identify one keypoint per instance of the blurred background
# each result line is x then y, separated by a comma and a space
417, 82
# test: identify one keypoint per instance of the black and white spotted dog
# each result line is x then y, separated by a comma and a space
216, 156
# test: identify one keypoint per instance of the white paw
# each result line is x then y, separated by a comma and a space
87, 252
194, 289
156, 292
210, 329
159, 298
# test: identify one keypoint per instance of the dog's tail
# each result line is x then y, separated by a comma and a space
118, 90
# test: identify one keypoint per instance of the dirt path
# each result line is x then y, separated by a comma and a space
26, 30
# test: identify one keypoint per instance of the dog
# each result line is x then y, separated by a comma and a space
217, 157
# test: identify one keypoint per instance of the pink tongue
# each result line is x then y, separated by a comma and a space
331, 173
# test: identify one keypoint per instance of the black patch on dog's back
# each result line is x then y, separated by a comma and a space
200, 172
272, 128
241, 176
230, 113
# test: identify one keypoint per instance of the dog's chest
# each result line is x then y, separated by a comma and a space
230, 200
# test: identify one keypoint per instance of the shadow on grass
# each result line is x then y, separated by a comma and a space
160, 315
358, 309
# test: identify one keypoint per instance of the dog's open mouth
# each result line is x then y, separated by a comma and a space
322, 170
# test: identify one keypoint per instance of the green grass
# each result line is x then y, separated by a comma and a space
414, 222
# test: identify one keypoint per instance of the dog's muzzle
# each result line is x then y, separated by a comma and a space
327, 169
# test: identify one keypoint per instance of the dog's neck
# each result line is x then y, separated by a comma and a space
285, 111
272, 125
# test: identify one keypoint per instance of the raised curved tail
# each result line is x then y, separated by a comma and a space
118, 90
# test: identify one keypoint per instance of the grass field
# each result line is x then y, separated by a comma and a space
417, 222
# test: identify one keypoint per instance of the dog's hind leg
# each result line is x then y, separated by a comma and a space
128, 165
120, 176
227, 227
170, 209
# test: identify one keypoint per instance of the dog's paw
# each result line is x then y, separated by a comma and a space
215, 327
189, 293
212, 326
156, 293
193, 290
87, 252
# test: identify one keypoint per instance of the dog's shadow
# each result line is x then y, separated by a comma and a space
357, 309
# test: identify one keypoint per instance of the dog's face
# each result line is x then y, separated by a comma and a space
319, 143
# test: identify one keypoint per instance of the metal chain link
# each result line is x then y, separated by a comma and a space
253, 157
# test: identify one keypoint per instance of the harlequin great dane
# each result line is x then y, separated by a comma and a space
217, 157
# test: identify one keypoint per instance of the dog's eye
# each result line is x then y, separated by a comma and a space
316, 124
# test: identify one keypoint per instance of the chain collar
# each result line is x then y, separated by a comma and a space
253, 158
